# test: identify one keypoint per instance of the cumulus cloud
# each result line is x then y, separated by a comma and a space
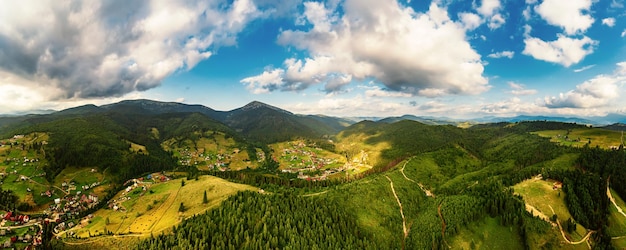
609, 21
506, 53
269, 80
496, 21
470, 21
512, 106
383, 40
565, 50
379, 92
570, 15
488, 7
354, 106
520, 89
594, 93
85, 49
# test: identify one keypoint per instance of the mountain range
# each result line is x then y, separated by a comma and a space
266, 123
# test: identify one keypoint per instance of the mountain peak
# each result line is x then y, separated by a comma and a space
259, 105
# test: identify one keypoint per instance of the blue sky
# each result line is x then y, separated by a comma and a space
451, 58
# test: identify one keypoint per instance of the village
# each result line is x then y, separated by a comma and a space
308, 161
224, 160
21, 171
20, 230
134, 189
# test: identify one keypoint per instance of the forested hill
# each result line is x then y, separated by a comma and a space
104, 140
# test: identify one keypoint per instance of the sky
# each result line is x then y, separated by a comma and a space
442, 58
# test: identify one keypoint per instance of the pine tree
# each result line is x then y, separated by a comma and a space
181, 208
205, 200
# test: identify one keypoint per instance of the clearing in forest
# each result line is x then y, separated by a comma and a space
142, 212
546, 196
579, 137
617, 221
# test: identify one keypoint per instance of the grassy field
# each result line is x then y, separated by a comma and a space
487, 234
157, 208
579, 137
18, 159
136, 148
360, 152
617, 222
541, 195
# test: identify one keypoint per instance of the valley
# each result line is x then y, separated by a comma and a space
132, 175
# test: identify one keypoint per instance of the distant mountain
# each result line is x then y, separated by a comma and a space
154, 107
520, 118
262, 122
80, 110
424, 120
616, 127
337, 124
610, 119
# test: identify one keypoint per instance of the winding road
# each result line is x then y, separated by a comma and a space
426, 191
404, 228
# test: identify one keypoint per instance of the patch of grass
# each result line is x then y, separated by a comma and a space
164, 201
617, 221
487, 234
136, 148
541, 195
579, 137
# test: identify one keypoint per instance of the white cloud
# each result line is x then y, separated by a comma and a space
570, 15
600, 91
506, 53
470, 21
609, 21
489, 10
527, 30
509, 107
95, 49
379, 92
624, 33
355, 106
382, 39
496, 21
584, 68
565, 50
520, 89
489, 7
621, 68
269, 80
526, 13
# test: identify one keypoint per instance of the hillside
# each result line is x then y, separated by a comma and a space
391, 184
268, 124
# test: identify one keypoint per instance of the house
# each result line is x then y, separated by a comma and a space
7, 244
3, 232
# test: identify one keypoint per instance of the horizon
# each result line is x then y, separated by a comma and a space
452, 59
478, 119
